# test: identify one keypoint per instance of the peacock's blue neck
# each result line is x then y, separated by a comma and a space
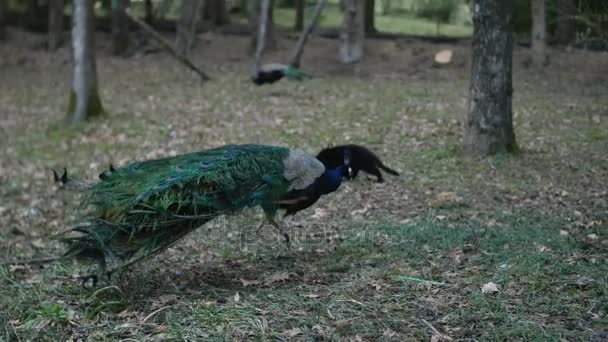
332, 178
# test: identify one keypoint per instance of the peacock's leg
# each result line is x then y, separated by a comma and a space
270, 218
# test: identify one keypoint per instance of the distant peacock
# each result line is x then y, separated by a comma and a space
141, 208
270, 73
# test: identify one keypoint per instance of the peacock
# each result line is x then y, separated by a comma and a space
270, 73
139, 209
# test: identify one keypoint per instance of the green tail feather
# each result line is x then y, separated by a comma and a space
142, 207
296, 74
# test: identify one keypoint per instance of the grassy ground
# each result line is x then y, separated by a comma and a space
532, 224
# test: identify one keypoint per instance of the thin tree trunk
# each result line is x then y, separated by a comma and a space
370, 16
297, 53
120, 28
215, 12
255, 15
84, 97
55, 24
2, 19
149, 12
167, 46
187, 18
386, 7
264, 9
489, 125
539, 46
564, 31
353, 31
299, 24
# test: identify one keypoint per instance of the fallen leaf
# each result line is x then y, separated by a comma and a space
246, 282
277, 277
489, 288
584, 280
388, 333
237, 297
563, 233
290, 333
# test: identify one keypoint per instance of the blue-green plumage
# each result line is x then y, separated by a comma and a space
143, 207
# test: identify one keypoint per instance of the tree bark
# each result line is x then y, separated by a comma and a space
149, 12
120, 28
84, 98
55, 24
187, 20
370, 16
299, 24
297, 53
2, 19
262, 33
216, 13
489, 125
539, 45
565, 31
255, 15
353, 31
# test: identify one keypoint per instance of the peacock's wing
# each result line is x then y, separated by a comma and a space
147, 205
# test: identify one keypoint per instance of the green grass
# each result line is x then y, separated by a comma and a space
352, 291
402, 23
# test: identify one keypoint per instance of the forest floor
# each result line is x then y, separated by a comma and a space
534, 224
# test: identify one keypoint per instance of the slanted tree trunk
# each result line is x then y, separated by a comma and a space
84, 98
539, 45
299, 24
55, 24
564, 30
370, 15
120, 28
215, 12
186, 23
297, 52
353, 31
255, 15
2, 19
489, 125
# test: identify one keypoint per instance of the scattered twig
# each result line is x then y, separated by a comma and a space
436, 332
31, 261
419, 280
154, 313
165, 44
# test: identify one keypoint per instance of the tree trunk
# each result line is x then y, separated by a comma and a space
120, 28
55, 24
84, 97
539, 45
216, 13
186, 24
2, 19
565, 31
386, 6
149, 12
299, 24
489, 125
353, 31
255, 15
370, 15
297, 53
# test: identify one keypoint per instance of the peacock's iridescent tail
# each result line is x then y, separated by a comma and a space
145, 206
